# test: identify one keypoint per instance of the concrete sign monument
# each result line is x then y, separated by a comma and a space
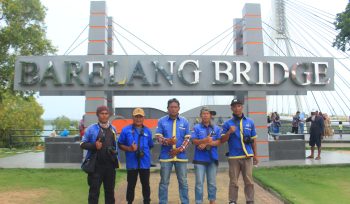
248, 75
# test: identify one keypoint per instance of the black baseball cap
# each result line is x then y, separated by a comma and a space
236, 101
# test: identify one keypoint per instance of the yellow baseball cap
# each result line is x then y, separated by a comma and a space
138, 111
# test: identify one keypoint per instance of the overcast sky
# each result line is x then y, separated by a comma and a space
172, 27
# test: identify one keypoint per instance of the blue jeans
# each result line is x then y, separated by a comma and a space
301, 128
210, 170
181, 174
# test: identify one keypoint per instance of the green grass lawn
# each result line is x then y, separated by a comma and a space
59, 185
309, 184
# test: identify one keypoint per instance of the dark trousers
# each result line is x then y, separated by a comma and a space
295, 130
132, 179
105, 175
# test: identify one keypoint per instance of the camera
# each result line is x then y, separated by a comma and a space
112, 150
140, 153
248, 140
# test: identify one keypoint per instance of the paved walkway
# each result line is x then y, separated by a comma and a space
36, 160
261, 195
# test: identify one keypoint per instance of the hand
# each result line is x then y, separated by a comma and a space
133, 147
209, 140
171, 141
201, 146
255, 160
174, 152
98, 144
232, 129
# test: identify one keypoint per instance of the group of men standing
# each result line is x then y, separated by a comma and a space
174, 135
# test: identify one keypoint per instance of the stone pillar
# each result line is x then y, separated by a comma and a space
110, 101
255, 100
98, 39
237, 36
256, 109
252, 31
110, 36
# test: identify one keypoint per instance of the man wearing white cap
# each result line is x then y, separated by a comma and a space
136, 141
316, 132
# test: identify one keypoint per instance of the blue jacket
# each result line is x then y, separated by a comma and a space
244, 128
91, 135
200, 132
165, 129
130, 135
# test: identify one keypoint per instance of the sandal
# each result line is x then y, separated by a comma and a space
318, 158
309, 157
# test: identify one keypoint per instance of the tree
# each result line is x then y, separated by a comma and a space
22, 32
18, 113
63, 122
342, 23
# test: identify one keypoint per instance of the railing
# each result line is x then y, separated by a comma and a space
284, 128
28, 137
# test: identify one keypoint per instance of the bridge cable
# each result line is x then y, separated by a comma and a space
137, 37
77, 45
211, 40
130, 42
76, 39
217, 42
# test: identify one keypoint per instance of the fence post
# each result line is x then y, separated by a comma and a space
10, 138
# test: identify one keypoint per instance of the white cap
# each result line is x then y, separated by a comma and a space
314, 110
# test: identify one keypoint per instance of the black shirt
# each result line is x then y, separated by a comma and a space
104, 157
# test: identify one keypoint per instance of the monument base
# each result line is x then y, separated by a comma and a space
287, 147
63, 150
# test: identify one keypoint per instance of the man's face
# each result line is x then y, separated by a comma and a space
138, 120
206, 116
237, 109
103, 116
173, 109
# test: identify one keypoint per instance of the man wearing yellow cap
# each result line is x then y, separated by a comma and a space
136, 141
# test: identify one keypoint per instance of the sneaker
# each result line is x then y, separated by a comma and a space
232, 202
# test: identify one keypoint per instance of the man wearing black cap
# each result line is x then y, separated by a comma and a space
100, 139
240, 133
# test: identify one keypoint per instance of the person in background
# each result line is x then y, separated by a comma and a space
64, 133
295, 122
206, 137
341, 129
136, 140
301, 123
328, 130
81, 127
100, 139
268, 124
275, 122
316, 133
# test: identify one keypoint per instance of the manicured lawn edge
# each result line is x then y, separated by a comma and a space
279, 194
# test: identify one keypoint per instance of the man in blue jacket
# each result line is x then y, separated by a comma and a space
174, 135
206, 137
240, 133
136, 141
100, 139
